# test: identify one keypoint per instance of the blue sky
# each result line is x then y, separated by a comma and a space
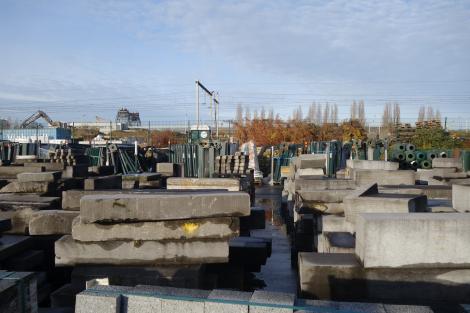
81, 59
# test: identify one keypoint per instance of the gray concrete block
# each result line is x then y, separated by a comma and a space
19, 220
372, 165
402, 308
104, 182
12, 171
166, 169
270, 301
332, 306
237, 301
51, 222
336, 242
72, 252
461, 198
163, 206
39, 177
383, 177
49, 166
134, 303
413, 240
92, 302
180, 183
208, 228
76, 171
334, 223
29, 187
323, 184
331, 195
177, 300
447, 163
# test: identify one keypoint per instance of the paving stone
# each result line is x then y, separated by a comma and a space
447, 163
461, 198
163, 206
209, 228
51, 222
92, 302
333, 306
271, 299
72, 252
29, 187
237, 301
39, 177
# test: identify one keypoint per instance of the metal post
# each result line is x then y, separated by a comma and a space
110, 131
217, 115
197, 103
272, 166
135, 155
148, 135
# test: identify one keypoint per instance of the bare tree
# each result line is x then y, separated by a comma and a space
271, 114
334, 114
386, 117
239, 114
319, 115
247, 114
297, 114
326, 113
396, 113
421, 114
437, 116
312, 112
361, 114
263, 113
430, 114
353, 115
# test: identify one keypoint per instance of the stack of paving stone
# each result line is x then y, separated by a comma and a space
366, 172
153, 228
232, 164
68, 156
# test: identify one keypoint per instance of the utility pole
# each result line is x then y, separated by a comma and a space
197, 103
213, 100
217, 114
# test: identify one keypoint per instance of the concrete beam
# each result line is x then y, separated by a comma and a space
230, 184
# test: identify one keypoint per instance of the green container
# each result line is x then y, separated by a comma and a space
443, 154
400, 156
410, 147
399, 147
410, 156
431, 155
420, 156
426, 164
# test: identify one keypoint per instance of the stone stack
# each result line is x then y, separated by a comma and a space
232, 164
154, 228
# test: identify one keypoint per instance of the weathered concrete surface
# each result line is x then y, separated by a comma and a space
273, 298
230, 184
383, 177
430, 191
11, 201
39, 177
323, 184
217, 306
72, 252
103, 302
19, 220
142, 177
447, 163
323, 207
49, 166
51, 222
76, 171
162, 206
12, 171
166, 169
334, 223
440, 206
461, 197
71, 198
104, 182
309, 172
309, 161
427, 175
101, 170
336, 242
336, 195
368, 202
29, 187
341, 277
413, 240
372, 165
210, 228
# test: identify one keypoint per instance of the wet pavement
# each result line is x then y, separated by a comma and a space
277, 274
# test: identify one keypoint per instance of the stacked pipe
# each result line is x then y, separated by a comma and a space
410, 158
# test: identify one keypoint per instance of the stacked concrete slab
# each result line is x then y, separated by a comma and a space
366, 172
155, 228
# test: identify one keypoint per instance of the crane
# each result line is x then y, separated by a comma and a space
41, 114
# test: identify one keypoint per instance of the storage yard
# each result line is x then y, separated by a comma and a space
372, 236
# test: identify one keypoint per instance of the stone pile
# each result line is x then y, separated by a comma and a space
232, 164
153, 228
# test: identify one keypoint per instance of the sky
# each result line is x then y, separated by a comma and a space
77, 60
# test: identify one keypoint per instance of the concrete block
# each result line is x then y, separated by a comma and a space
92, 302
29, 187
237, 301
447, 163
72, 252
163, 206
270, 301
309, 173
309, 161
430, 191
76, 171
19, 220
333, 306
13, 171
209, 228
104, 182
51, 222
230, 184
336, 242
413, 240
47, 166
134, 303
323, 184
372, 165
335, 196
334, 223
39, 177
461, 198
101, 170
383, 177
166, 169
12, 201
382, 203
142, 177
177, 300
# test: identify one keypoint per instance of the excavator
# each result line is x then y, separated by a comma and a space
43, 115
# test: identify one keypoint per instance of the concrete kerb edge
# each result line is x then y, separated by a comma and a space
310, 308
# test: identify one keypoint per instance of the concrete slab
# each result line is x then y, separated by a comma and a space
39, 177
324, 184
13, 244
166, 169
51, 222
12, 171
91, 302
48, 166
29, 187
383, 177
76, 171
332, 306
447, 163
461, 198
11, 201
336, 242
335, 196
334, 223
439, 240
236, 301
163, 206
372, 165
270, 301
72, 252
19, 220
209, 228
230, 184
103, 182
309, 161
